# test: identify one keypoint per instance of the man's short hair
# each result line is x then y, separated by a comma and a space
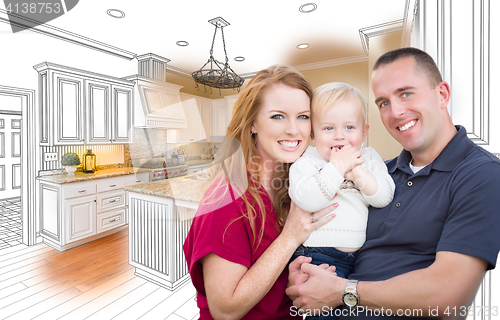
424, 61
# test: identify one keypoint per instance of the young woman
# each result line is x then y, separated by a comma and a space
246, 228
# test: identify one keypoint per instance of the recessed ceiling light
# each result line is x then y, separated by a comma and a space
308, 7
303, 46
182, 43
115, 13
239, 59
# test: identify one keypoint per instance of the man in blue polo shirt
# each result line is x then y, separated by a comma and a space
426, 253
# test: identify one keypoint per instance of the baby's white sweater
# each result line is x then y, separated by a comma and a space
314, 182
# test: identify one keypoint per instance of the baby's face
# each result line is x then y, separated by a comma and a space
339, 126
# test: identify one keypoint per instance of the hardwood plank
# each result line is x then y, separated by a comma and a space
28, 258
19, 272
10, 250
11, 290
86, 297
171, 303
93, 309
100, 279
121, 305
91, 268
141, 307
173, 316
189, 309
19, 278
43, 306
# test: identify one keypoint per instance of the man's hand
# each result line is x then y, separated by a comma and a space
322, 288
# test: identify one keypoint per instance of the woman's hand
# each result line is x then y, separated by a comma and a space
300, 224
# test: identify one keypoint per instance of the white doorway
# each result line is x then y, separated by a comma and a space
18, 167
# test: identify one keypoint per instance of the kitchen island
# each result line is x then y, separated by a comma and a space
160, 215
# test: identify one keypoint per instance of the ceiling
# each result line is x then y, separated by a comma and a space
264, 32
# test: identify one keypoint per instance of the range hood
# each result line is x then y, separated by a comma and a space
157, 103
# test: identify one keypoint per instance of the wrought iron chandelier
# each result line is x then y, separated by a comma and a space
214, 73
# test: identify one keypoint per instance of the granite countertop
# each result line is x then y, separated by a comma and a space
186, 188
100, 174
197, 162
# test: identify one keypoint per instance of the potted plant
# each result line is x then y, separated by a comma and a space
70, 161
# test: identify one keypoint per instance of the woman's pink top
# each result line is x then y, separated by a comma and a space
217, 229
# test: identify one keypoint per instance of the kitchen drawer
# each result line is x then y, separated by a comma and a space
110, 200
111, 184
137, 178
111, 219
79, 191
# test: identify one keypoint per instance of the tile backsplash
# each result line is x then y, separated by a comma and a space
106, 155
153, 142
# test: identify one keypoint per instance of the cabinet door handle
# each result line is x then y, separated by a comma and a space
113, 185
138, 181
82, 191
114, 200
113, 220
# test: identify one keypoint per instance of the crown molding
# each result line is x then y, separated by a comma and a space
178, 71
411, 8
60, 34
377, 30
332, 63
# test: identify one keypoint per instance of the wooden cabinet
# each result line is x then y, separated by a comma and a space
75, 213
79, 107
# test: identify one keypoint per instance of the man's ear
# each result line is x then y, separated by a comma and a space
444, 93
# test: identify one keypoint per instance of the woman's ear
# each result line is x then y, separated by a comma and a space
252, 129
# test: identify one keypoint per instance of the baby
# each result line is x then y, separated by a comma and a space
339, 165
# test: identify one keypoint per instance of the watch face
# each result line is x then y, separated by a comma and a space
350, 300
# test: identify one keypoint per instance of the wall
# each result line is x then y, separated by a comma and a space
358, 75
378, 137
355, 74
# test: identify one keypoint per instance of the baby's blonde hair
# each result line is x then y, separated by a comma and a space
331, 94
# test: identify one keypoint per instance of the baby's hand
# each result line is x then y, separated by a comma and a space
327, 267
355, 172
345, 159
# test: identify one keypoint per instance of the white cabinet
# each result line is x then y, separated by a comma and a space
198, 168
98, 102
222, 113
75, 213
198, 113
194, 128
67, 110
72, 99
121, 115
80, 217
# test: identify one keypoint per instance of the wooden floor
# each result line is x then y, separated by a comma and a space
92, 281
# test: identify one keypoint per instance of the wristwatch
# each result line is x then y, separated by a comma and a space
350, 296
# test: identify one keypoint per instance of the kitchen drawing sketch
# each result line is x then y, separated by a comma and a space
112, 82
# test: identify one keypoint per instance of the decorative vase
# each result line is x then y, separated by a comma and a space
89, 162
70, 169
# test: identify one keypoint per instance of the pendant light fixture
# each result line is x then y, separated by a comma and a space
216, 74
